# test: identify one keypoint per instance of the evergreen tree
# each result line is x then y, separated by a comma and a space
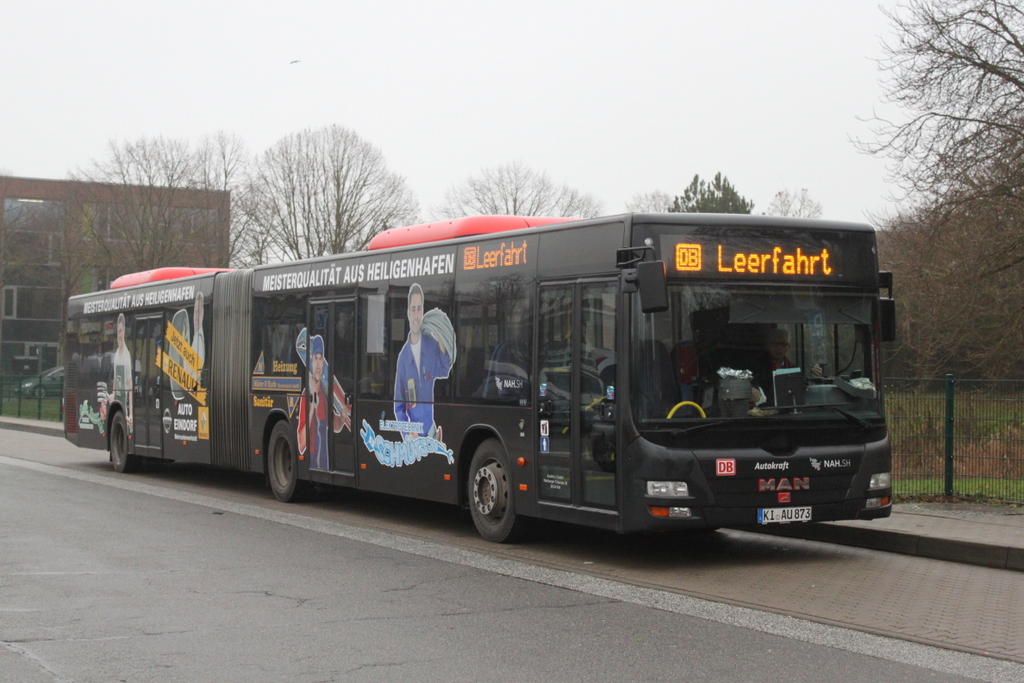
718, 196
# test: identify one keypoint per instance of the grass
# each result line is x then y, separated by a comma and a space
987, 444
985, 489
32, 408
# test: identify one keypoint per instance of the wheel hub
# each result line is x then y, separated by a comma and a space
489, 492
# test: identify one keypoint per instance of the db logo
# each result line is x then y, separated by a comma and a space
725, 467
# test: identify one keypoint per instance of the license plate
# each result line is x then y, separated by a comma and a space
783, 515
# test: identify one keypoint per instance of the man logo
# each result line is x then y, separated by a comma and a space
784, 484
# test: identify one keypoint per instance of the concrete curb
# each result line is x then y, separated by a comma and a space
33, 426
948, 549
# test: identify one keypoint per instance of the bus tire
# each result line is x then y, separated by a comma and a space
124, 462
490, 495
283, 465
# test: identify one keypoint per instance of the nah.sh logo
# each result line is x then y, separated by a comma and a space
725, 467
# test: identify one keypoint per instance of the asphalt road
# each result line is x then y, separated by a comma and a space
192, 574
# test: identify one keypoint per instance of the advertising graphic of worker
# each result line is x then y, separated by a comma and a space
323, 408
427, 356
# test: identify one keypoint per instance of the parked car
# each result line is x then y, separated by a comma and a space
47, 383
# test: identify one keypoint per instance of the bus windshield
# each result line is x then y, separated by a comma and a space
737, 351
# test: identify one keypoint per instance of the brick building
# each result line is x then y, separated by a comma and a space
64, 237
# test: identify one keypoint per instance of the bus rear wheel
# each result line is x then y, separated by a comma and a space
490, 495
283, 465
124, 462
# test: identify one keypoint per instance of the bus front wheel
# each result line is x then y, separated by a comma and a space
490, 495
283, 465
124, 462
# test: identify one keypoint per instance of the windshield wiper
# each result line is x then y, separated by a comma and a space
835, 407
859, 421
705, 423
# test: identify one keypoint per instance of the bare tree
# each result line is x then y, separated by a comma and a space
956, 67
956, 313
324, 191
225, 163
252, 242
223, 159
794, 205
13, 255
513, 189
149, 206
651, 202
956, 70
72, 250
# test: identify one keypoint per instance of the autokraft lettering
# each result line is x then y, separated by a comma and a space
772, 466
784, 484
725, 467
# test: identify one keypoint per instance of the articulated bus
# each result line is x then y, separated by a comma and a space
641, 372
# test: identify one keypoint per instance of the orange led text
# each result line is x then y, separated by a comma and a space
778, 262
510, 255
688, 257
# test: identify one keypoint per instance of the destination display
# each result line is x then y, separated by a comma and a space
753, 257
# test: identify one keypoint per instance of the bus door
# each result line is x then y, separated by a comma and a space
330, 383
577, 364
146, 408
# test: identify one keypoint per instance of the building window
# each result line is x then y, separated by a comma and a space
32, 303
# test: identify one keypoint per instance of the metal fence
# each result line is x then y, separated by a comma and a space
31, 397
956, 437
950, 437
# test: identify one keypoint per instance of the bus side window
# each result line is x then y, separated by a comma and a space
494, 331
507, 378
373, 359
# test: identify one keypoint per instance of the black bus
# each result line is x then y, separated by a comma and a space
635, 372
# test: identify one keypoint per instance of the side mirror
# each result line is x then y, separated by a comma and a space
885, 280
886, 307
651, 280
647, 277
887, 319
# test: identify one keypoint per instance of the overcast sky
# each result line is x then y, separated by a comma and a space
612, 98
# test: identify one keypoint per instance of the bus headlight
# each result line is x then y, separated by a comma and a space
882, 480
672, 512
668, 489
